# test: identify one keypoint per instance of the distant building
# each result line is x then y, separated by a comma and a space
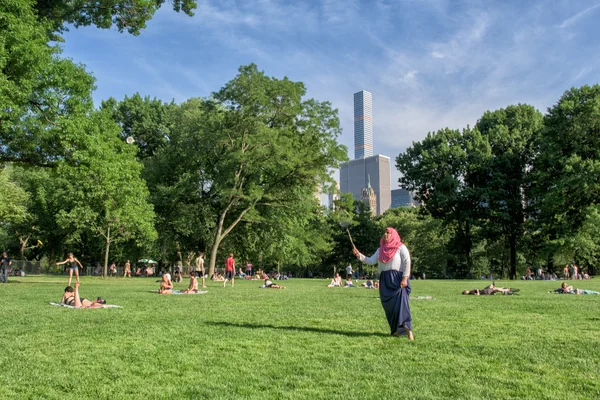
369, 197
355, 175
333, 197
402, 198
363, 124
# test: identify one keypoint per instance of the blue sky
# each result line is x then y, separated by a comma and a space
429, 63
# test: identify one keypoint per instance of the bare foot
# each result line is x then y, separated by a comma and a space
410, 335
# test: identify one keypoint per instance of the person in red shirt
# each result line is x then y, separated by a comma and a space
229, 270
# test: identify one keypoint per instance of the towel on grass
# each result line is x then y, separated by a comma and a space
423, 298
68, 306
181, 292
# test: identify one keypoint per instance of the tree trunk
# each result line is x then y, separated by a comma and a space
213, 255
513, 256
468, 249
106, 253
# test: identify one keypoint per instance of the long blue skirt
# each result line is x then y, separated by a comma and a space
394, 300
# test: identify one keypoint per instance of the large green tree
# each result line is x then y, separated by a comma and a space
438, 170
567, 176
499, 175
254, 145
107, 195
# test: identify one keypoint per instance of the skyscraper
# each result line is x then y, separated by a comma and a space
363, 124
355, 174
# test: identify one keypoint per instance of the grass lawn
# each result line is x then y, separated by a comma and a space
307, 341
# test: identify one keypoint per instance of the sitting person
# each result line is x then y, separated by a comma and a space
270, 285
490, 290
566, 289
193, 287
336, 281
166, 286
71, 298
368, 284
241, 274
348, 283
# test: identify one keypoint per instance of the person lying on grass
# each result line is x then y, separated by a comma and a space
369, 284
490, 290
270, 285
193, 287
71, 298
566, 289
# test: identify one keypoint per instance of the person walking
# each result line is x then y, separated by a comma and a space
5, 264
199, 263
229, 270
393, 265
74, 266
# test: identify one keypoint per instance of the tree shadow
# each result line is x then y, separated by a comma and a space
297, 328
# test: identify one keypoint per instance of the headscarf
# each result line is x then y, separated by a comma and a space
388, 249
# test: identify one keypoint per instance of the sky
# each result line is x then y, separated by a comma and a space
429, 64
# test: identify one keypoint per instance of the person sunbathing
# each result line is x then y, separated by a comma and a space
271, 285
166, 286
348, 283
336, 282
491, 290
71, 298
566, 289
193, 287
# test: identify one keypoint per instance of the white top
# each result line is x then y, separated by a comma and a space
400, 261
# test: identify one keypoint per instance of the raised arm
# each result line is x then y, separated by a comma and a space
61, 263
367, 260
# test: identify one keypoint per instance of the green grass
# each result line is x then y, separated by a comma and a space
303, 342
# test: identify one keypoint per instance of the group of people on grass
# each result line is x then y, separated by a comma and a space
393, 267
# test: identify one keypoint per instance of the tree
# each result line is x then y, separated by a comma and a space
13, 202
500, 173
129, 15
437, 170
41, 95
255, 145
566, 173
425, 237
107, 195
147, 121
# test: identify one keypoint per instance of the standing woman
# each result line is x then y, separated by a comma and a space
393, 262
127, 271
73, 267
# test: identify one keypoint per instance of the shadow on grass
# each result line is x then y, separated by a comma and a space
297, 328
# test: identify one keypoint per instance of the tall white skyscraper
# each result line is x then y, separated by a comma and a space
363, 124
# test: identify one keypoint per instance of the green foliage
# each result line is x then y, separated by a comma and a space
125, 15
255, 145
147, 121
567, 175
500, 176
438, 171
426, 238
107, 196
13, 202
42, 97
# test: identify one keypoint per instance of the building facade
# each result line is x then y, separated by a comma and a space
402, 198
363, 124
355, 175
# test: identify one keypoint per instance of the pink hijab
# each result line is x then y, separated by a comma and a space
388, 249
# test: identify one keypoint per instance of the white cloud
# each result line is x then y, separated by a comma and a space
574, 18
